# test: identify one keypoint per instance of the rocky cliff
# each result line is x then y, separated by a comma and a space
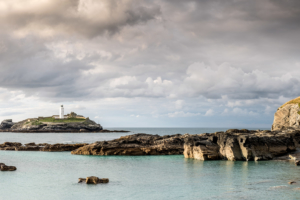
287, 115
241, 145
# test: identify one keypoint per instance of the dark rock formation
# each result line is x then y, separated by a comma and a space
231, 145
3, 167
93, 180
138, 144
6, 124
15, 146
62, 147
241, 145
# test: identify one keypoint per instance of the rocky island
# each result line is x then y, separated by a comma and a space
56, 123
49, 124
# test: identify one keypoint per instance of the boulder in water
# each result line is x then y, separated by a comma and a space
93, 180
3, 167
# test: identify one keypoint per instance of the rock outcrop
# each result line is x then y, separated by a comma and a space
16, 146
231, 145
138, 144
3, 167
241, 145
6, 124
287, 116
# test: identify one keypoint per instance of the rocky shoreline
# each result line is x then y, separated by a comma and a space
232, 145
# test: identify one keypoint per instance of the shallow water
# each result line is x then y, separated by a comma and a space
47, 175
54, 175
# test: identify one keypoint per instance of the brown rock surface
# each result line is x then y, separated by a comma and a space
3, 167
94, 180
287, 115
138, 144
15, 146
62, 147
241, 145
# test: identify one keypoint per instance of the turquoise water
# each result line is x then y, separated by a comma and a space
46, 175
54, 175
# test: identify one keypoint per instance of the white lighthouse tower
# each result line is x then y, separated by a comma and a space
61, 112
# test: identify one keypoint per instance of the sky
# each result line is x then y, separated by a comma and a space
150, 63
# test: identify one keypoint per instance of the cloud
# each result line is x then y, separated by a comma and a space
183, 114
87, 18
210, 112
235, 83
167, 59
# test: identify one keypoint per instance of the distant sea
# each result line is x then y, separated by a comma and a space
54, 175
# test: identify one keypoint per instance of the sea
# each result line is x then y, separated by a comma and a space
54, 175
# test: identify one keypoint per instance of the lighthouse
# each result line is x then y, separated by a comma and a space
61, 112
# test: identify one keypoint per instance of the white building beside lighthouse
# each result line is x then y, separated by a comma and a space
61, 112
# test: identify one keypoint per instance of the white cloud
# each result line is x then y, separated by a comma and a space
210, 112
183, 114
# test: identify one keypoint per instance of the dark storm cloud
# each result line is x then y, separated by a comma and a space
87, 18
172, 49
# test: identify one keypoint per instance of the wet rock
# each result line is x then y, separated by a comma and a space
3, 167
62, 147
137, 144
95, 180
40, 147
42, 144
9, 148
81, 180
12, 144
30, 144
92, 180
27, 148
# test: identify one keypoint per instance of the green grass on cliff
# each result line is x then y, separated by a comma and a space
68, 120
294, 101
36, 123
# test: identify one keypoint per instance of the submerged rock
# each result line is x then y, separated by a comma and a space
93, 180
3, 167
